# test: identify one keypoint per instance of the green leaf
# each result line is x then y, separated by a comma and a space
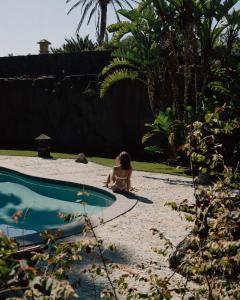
117, 62
153, 149
115, 77
147, 136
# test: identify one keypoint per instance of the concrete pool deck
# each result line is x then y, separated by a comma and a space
131, 232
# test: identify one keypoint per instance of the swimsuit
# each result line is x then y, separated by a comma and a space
120, 184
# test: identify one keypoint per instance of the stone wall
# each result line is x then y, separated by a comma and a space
68, 108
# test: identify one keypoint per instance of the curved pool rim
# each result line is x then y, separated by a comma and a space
120, 206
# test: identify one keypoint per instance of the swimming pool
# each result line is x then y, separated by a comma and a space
41, 200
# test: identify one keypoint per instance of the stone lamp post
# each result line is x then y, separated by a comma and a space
43, 146
44, 46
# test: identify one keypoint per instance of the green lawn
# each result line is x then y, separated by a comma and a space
142, 166
137, 165
34, 153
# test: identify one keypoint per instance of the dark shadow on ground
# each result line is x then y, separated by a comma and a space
91, 289
133, 196
171, 181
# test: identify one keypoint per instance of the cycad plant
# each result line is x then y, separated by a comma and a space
165, 127
77, 44
172, 46
99, 8
229, 39
140, 54
215, 18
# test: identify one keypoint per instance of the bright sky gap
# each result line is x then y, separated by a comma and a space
25, 22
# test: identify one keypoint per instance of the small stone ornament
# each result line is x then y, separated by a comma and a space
81, 158
202, 179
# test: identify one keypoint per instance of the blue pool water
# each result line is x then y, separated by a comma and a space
42, 200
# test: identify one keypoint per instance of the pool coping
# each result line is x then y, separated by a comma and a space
120, 206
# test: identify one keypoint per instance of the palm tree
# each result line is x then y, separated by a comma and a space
99, 8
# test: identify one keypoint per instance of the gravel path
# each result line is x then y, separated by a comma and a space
131, 233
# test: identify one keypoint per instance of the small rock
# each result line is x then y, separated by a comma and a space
81, 158
203, 179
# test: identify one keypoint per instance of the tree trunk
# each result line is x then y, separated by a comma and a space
173, 66
189, 63
172, 151
205, 69
154, 97
103, 23
190, 52
231, 38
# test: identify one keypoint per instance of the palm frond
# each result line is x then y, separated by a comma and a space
131, 15
115, 77
132, 55
73, 45
120, 30
91, 7
75, 5
117, 62
147, 136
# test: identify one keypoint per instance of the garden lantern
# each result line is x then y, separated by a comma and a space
43, 146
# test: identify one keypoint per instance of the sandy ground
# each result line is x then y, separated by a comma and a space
131, 233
